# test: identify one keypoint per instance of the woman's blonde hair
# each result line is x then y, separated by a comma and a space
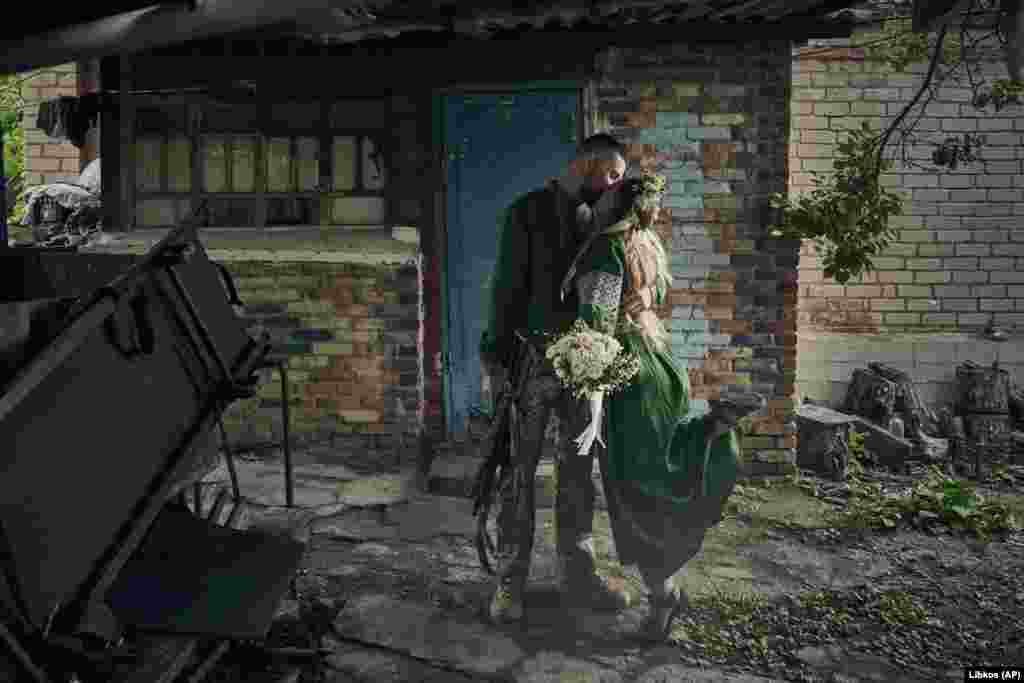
646, 269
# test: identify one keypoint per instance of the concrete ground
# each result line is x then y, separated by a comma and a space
401, 565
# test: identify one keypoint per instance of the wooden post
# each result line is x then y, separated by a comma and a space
117, 124
89, 84
126, 152
110, 123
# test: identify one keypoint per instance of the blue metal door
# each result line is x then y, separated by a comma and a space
498, 146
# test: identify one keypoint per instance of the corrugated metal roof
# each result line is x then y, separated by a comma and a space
31, 43
387, 20
33, 19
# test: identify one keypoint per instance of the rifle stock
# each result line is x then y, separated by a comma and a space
503, 441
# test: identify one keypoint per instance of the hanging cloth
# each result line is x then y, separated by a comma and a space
69, 118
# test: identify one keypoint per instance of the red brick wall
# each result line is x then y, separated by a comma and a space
712, 119
351, 333
48, 160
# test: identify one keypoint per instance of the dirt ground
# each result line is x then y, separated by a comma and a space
777, 591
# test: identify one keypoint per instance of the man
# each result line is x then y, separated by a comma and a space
541, 234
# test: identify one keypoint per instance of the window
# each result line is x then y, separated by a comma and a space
163, 163
275, 165
359, 178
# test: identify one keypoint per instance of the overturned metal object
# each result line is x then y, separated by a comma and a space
103, 421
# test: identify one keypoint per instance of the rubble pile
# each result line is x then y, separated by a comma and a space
984, 424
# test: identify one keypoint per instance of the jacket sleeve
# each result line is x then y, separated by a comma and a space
599, 284
507, 297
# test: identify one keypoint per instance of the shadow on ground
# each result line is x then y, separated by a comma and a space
401, 572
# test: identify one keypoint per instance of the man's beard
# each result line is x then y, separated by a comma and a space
590, 195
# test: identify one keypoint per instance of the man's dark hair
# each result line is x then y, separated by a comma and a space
601, 144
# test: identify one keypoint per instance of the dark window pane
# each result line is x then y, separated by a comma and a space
298, 211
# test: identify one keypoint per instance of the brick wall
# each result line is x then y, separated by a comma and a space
959, 256
351, 334
48, 160
713, 120
958, 260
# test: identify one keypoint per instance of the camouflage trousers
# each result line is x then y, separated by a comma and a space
544, 397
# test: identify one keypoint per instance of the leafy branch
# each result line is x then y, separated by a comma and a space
847, 213
12, 106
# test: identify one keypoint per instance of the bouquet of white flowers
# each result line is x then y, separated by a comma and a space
587, 361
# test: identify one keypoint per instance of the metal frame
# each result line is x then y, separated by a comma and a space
173, 249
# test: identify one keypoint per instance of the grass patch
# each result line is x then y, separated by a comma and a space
1013, 502
726, 624
937, 498
790, 502
897, 608
754, 508
823, 606
372, 487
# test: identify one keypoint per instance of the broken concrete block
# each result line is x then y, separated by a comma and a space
889, 449
824, 439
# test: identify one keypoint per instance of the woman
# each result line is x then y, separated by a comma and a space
667, 475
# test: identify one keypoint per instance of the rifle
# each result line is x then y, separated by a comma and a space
503, 436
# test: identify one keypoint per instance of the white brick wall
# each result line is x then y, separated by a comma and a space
961, 230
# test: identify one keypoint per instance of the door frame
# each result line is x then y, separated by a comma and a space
584, 128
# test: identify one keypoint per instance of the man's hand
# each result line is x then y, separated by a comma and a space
593, 431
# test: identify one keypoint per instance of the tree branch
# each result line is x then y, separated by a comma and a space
917, 96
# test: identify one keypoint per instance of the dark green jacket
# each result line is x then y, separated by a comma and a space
539, 238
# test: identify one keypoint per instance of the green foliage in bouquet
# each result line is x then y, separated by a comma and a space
588, 361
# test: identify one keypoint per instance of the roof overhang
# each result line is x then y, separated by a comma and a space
145, 27
150, 26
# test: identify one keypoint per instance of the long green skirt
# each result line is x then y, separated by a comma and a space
659, 503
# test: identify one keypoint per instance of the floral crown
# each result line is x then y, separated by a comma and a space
647, 191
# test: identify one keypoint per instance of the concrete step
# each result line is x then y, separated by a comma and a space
417, 519
315, 484
454, 476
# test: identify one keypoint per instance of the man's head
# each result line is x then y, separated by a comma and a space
600, 163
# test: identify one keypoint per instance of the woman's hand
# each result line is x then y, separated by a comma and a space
636, 302
593, 431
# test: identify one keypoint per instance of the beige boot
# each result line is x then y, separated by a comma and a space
506, 601
666, 602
